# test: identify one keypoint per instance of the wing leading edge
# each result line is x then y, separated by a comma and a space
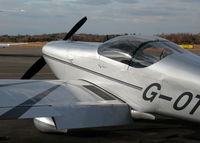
76, 104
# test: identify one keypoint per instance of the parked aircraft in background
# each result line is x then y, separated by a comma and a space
11, 44
105, 84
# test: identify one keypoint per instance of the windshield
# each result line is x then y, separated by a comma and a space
153, 52
138, 51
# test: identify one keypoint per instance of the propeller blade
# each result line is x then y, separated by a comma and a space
39, 64
36, 67
75, 28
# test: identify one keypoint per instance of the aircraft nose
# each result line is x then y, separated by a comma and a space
55, 49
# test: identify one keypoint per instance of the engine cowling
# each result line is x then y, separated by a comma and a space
47, 125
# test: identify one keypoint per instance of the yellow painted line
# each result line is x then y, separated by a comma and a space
187, 46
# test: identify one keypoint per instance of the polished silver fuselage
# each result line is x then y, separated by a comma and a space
169, 87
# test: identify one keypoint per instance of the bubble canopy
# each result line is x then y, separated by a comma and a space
138, 51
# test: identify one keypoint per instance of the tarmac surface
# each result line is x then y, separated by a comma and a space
15, 61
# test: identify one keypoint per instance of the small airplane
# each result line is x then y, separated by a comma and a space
11, 44
114, 83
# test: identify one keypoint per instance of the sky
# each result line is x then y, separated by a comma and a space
145, 17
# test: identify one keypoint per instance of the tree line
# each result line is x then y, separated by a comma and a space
179, 38
54, 37
182, 38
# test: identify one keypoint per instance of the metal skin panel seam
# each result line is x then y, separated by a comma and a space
96, 73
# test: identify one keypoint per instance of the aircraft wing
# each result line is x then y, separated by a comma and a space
74, 104
10, 44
